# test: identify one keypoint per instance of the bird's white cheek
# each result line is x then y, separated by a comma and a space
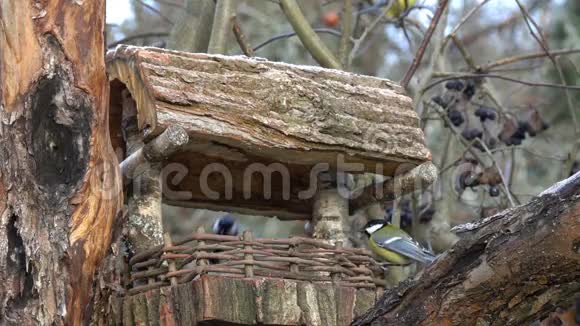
373, 229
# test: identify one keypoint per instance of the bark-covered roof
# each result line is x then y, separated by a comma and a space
240, 110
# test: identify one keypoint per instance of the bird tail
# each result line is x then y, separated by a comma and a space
428, 258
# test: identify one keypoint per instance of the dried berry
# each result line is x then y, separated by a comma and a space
455, 117
485, 113
479, 146
493, 191
575, 168
468, 179
426, 215
545, 125
469, 90
454, 85
471, 134
491, 143
439, 101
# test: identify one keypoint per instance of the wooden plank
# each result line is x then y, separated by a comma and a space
215, 299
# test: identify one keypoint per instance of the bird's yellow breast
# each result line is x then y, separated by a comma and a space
389, 256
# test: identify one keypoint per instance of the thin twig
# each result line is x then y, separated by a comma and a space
241, 38
309, 38
291, 34
471, 150
171, 3
499, 171
539, 37
476, 76
345, 38
421, 51
192, 31
524, 57
137, 36
487, 30
463, 21
157, 12
361, 39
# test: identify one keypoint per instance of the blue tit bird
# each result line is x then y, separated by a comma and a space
395, 245
226, 225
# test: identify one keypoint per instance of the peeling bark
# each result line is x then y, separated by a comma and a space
59, 189
509, 269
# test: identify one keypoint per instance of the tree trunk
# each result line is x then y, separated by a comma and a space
59, 184
510, 269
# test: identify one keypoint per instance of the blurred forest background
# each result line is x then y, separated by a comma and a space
497, 141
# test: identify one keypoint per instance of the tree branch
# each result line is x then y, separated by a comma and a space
421, 51
287, 35
511, 268
345, 42
309, 38
222, 22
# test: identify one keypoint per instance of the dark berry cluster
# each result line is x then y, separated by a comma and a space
472, 179
467, 88
426, 213
455, 117
515, 132
485, 113
477, 120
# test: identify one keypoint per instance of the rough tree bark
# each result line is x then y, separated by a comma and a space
59, 179
509, 269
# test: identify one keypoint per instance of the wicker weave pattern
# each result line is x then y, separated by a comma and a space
294, 258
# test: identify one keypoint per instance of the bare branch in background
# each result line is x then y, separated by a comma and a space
540, 38
421, 51
156, 11
513, 80
345, 39
136, 37
523, 57
171, 3
509, 22
224, 11
309, 38
193, 30
291, 34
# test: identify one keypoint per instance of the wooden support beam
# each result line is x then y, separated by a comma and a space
330, 210
143, 166
158, 149
407, 180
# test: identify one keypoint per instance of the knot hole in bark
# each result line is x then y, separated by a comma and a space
22, 282
61, 130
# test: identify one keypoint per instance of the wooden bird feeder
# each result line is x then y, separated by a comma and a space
252, 136
243, 114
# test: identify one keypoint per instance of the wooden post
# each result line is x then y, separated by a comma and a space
172, 268
336, 276
248, 268
144, 224
201, 262
143, 166
293, 266
330, 211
